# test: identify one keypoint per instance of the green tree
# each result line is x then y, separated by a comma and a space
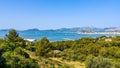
13, 38
42, 47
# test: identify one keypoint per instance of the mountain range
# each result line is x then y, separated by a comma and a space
76, 29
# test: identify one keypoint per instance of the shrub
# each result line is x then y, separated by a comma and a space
98, 62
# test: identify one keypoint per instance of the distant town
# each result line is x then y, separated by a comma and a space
98, 32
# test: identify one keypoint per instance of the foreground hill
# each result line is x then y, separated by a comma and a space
100, 52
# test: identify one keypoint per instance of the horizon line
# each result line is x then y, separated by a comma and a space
59, 28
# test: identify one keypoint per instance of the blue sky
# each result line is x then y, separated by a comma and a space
53, 14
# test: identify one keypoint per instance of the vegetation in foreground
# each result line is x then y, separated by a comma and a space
101, 52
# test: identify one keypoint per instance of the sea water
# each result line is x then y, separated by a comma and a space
53, 35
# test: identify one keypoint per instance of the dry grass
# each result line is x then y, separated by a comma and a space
75, 64
48, 62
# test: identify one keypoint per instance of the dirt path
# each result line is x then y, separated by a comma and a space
31, 54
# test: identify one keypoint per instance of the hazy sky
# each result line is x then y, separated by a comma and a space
53, 14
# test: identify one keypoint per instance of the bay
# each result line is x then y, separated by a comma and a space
54, 35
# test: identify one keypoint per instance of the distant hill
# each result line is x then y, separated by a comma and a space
34, 29
76, 29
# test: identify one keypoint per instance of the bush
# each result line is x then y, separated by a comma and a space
82, 58
117, 65
20, 51
13, 60
98, 62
